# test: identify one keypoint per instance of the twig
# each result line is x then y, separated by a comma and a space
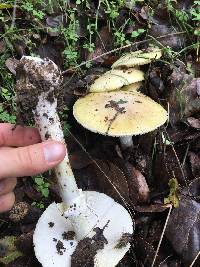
185, 156
192, 264
177, 158
164, 260
120, 48
14, 14
161, 238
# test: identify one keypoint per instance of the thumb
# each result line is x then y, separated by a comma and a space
30, 160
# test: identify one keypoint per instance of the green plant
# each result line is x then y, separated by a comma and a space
182, 16
71, 37
172, 198
5, 116
38, 204
195, 11
91, 29
137, 33
33, 9
165, 140
7, 107
41, 185
63, 116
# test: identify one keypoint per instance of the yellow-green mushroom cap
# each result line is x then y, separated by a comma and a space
115, 79
134, 87
119, 113
137, 58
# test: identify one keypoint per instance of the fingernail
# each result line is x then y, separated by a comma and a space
54, 152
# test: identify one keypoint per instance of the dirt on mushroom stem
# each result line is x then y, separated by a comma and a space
31, 83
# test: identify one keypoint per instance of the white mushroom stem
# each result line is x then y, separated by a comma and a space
126, 141
48, 123
74, 202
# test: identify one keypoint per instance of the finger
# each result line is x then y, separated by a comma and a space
7, 185
7, 201
30, 160
5, 148
20, 136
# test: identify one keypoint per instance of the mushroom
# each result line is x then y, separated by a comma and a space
133, 87
115, 79
137, 58
121, 114
86, 221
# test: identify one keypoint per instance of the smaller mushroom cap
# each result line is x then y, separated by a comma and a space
115, 79
137, 58
134, 87
119, 113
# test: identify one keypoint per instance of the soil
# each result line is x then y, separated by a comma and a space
86, 249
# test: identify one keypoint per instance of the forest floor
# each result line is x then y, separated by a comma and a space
159, 178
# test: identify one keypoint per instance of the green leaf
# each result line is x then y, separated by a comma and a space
7, 245
45, 192
39, 180
4, 6
172, 198
137, 33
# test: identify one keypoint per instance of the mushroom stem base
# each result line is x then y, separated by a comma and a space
126, 142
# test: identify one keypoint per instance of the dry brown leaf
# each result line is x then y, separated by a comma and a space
79, 160
195, 163
152, 208
194, 123
138, 187
116, 179
183, 229
183, 100
11, 64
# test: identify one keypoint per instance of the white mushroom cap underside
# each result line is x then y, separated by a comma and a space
106, 211
115, 79
119, 113
137, 58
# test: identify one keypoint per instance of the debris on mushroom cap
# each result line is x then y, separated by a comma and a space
137, 58
134, 87
115, 79
106, 230
119, 113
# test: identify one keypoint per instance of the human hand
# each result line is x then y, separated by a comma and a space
21, 154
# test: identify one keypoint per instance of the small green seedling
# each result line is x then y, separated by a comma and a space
39, 204
172, 198
41, 185
165, 140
